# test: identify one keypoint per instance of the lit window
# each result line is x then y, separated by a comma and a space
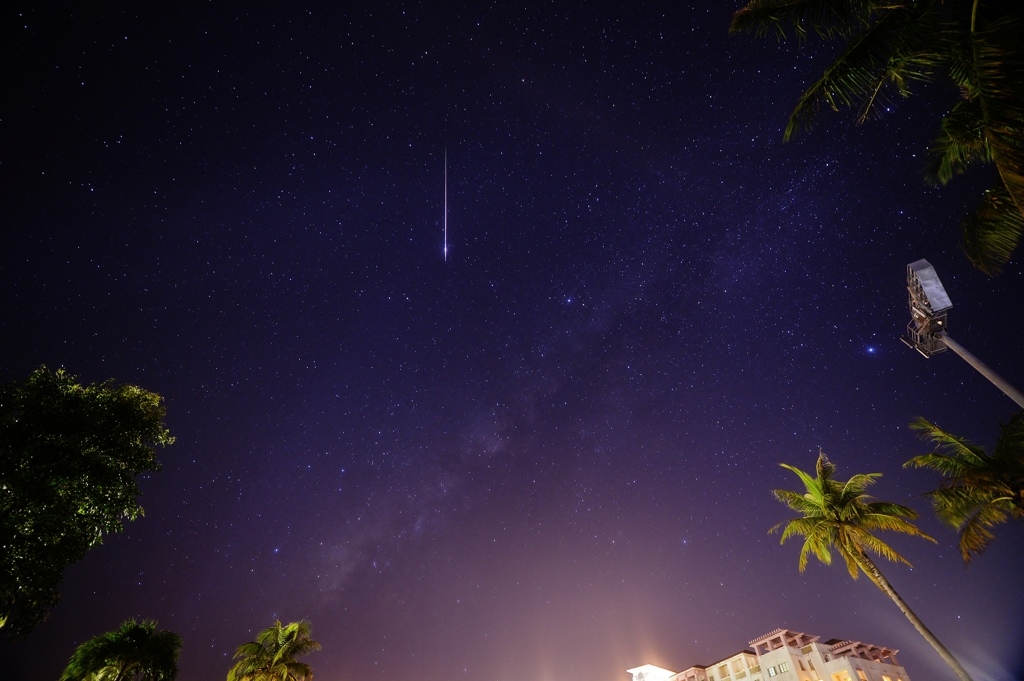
784, 667
885, 678
861, 674
771, 671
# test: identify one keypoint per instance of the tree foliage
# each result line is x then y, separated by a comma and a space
980, 490
69, 454
135, 652
841, 516
271, 657
890, 46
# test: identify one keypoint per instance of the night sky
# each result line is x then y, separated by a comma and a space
551, 457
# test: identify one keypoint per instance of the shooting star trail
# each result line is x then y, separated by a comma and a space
446, 203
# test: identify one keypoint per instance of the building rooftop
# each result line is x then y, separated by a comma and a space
651, 671
865, 651
780, 637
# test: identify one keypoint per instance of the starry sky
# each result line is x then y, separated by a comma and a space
551, 457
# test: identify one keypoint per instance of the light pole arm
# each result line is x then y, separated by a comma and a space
984, 370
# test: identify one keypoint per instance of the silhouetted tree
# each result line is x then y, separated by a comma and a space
135, 652
69, 455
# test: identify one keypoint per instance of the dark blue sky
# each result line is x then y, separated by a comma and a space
550, 457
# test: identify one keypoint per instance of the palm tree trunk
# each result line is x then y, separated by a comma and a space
873, 573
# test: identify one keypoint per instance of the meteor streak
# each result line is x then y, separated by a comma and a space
446, 203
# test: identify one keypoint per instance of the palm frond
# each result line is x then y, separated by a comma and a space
961, 142
872, 543
797, 502
946, 464
827, 18
1010, 445
856, 485
894, 51
961, 69
890, 509
810, 484
824, 469
992, 232
299, 670
946, 441
248, 649
820, 550
1000, 87
975, 535
954, 502
799, 526
888, 523
852, 566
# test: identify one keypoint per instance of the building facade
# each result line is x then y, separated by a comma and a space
784, 655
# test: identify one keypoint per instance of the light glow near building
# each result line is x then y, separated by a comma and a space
784, 655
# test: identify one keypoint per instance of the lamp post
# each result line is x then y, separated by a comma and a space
926, 332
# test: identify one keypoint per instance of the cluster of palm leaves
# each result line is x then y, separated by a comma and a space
271, 657
138, 652
979, 490
840, 515
893, 44
134, 652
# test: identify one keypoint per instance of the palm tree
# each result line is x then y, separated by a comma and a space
892, 44
271, 657
979, 490
135, 652
841, 516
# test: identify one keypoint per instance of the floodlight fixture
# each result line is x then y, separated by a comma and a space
929, 308
929, 318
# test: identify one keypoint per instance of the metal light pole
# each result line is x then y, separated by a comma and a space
926, 332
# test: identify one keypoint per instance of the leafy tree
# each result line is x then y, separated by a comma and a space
271, 657
840, 515
893, 44
979, 490
135, 652
69, 455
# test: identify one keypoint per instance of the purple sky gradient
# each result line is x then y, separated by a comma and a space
550, 458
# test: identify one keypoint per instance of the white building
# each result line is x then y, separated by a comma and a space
784, 655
